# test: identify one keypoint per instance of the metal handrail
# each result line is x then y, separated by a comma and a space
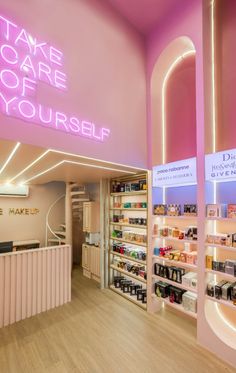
47, 220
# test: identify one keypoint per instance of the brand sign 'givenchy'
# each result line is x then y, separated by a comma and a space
26, 61
221, 166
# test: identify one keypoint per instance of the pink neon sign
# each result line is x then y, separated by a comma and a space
24, 61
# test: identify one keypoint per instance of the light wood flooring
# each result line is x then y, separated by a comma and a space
100, 332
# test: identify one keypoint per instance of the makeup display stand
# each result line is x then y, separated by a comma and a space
128, 233
178, 195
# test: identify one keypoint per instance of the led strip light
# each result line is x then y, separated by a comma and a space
10, 157
64, 161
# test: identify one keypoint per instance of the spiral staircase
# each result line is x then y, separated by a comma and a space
75, 196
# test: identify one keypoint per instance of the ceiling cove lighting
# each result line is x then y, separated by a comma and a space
76, 163
97, 160
10, 157
77, 156
169, 71
30, 165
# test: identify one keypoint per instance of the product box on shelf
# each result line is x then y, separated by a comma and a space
216, 210
226, 291
173, 210
162, 289
188, 278
142, 185
234, 239
190, 210
231, 211
209, 260
176, 295
191, 258
191, 233
230, 267
223, 239
190, 301
176, 274
233, 293
159, 209
218, 289
211, 288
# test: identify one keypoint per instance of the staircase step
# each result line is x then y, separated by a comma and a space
56, 240
79, 200
78, 192
63, 226
60, 233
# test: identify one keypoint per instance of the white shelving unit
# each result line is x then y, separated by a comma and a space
120, 198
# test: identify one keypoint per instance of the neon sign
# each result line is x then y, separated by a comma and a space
26, 61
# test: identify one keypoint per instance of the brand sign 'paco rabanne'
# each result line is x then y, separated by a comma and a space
221, 166
20, 211
25, 62
175, 173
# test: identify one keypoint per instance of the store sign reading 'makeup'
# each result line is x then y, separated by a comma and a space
20, 211
25, 63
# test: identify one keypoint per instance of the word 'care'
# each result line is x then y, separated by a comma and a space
24, 62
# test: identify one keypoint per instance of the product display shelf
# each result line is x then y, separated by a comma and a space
222, 274
126, 273
131, 298
176, 306
128, 209
227, 303
133, 197
126, 194
128, 257
222, 219
230, 248
177, 284
135, 243
181, 217
129, 225
194, 242
176, 262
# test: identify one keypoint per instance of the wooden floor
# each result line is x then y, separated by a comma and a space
100, 332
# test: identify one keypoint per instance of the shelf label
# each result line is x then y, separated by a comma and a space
221, 166
175, 173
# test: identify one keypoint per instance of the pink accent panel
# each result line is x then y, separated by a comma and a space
65, 261
13, 290
181, 112
44, 282
49, 279
39, 281
29, 282
24, 285
61, 277
2, 284
57, 278
34, 284
226, 82
53, 279
18, 287
7, 294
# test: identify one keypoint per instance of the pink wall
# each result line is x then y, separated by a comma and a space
226, 54
181, 112
105, 67
185, 21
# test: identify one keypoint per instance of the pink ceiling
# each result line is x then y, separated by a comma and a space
145, 14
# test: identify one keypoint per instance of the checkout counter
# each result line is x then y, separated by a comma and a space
32, 279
